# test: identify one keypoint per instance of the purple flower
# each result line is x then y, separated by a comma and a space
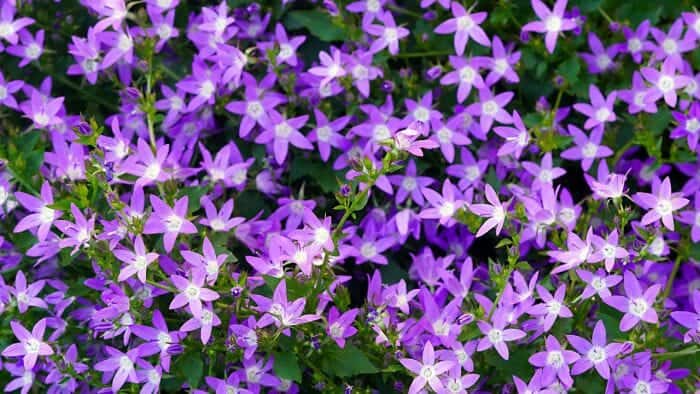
598, 283
601, 59
496, 334
552, 306
287, 46
671, 46
555, 361
30, 49
600, 111
410, 184
692, 218
551, 22
661, 204
77, 234
587, 148
427, 370
43, 216
516, 138
278, 311
494, 211
407, 140
388, 34
205, 322
169, 221
327, 134
464, 25
545, 173
340, 325
636, 42
9, 27
607, 250
43, 111
579, 252
87, 55
597, 353
145, 165
220, 221
443, 207
638, 305
158, 339
490, 107
136, 262
282, 132
690, 320
31, 344
502, 62
466, 75
688, 125
192, 292
121, 364
208, 261
245, 336
7, 88
665, 82
331, 66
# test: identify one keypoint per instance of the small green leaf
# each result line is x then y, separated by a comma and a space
287, 367
191, 368
348, 361
570, 69
318, 23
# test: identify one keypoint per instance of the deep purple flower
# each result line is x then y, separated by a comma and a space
552, 22
340, 325
688, 125
9, 26
43, 216
637, 305
490, 107
121, 364
327, 134
388, 34
169, 221
464, 25
192, 292
597, 353
661, 204
597, 283
466, 75
665, 82
587, 148
601, 59
427, 370
600, 111
31, 345
282, 132
136, 262
496, 334
555, 361
278, 311
495, 211
690, 320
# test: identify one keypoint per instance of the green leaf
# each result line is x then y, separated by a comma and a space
318, 23
191, 368
193, 194
348, 361
570, 69
320, 173
287, 367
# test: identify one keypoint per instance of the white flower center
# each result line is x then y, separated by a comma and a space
465, 22
638, 307
152, 171
666, 83
253, 374
634, 45
447, 209
6, 29
598, 283
553, 23
589, 150
602, 114
164, 31
409, 183
664, 207
422, 114
670, 46
125, 363
33, 51
368, 250
207, 89
467, 74
697, 219
495, 336
163, 340
125, 43
239, 176
427, 372
656, 247
597, 354
153, 377
391, 34
254, 109
217, 224
321, 235
608, 251
3, 92
336, 330
603, 61
639, 98
373, 5
283, 130
140, 262
444, 135
500, 66
46, 214
192, 291
41, 119
691, 87
472, 172
286, 51
381, 132
545, 176
323, 133
553, 307
32, 346
207, 317
692, 125
360, 72
642, 387
489, 108
454, 386
173, 223
212, 267
555, 359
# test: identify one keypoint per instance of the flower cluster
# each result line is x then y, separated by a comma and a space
349, 196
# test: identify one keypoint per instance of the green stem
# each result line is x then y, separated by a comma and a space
423, 54
605, 15
671, 278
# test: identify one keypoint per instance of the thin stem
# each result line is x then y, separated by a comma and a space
671, 278
605, 15
404, 11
